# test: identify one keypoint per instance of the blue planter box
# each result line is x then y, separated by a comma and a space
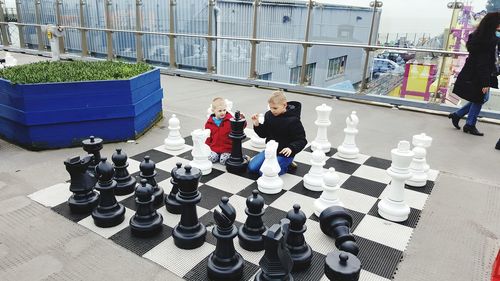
54, 115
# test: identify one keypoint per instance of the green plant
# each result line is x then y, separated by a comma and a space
72, 71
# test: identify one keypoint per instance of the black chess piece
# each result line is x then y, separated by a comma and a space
84, 198
93, 146
336, 222
299, 250
250, 234
342, 266
146, 221
171, 203
189, 233
125, 182
276, 263
236, 164
225, 263
148, 172
108, 212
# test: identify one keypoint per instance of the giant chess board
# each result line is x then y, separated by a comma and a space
363, 183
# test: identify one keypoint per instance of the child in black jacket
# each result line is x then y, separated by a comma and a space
282, 124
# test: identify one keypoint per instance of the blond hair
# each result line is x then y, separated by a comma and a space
218, 101
277, 97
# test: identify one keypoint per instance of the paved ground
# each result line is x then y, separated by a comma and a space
457, 236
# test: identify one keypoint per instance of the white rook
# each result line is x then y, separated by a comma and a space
393, 206
323, 122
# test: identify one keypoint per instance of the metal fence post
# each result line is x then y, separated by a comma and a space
3, 27
253, 57
59, 3
375, 4
38, 17
83, 32
303, 69
20, 27
210, 63
138, 26
109, 35
171, 38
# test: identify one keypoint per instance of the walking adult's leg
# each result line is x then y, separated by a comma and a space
470, 124
457, 115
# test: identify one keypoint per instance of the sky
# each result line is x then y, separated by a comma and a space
401, 16
412, 16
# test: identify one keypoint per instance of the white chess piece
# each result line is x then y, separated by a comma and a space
255, 140
323, 122
270, 182
201, 151
313, 180
329, 197
418, 166
10, 60
348, 148
393, 206
174, 140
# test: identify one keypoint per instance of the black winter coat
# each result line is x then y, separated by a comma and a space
479, 70
286, 129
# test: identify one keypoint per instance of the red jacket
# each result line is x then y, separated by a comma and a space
219, 140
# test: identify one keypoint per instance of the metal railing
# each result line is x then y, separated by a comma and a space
302, 86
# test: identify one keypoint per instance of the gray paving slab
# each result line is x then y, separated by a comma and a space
457, 237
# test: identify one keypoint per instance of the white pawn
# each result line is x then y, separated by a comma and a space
10, 60
255, 140
201, 151
270, 182
329, 197
174, 140
393, 206
323, 122
313, 180
418, 166
348, 148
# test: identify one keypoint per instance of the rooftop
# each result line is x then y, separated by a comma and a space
456, 237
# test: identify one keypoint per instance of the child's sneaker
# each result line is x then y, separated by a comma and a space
292, 166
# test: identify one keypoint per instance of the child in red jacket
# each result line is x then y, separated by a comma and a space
220, 127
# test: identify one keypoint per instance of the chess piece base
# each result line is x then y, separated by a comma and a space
109, 217
321, 204
174, 144
235, 167
268, 185
83, 205
173, 206
146, 227
253, 243
393, 210
124, 188
348, 153
342, 272
417, 180
233, 270
313, 183
260, 276
205, 166
191, 238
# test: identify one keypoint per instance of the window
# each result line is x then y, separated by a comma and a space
336, 66
295, 74
265, 76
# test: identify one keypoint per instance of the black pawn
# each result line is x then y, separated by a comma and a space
225, 263
108, 212
125, 182
84, 198
342, 266
250, 234
148, 173
171, 203
146, 221
189, 233
236, 164
93, 146
336, 222
299, 250
276, 263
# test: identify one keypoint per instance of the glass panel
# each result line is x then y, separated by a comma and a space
94, 13
156, 16
70, 16
232, 58
282, 20
279, 62
192, 18
28, 16
122, 15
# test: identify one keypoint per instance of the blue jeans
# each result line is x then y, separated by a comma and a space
257, 160
472, 109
